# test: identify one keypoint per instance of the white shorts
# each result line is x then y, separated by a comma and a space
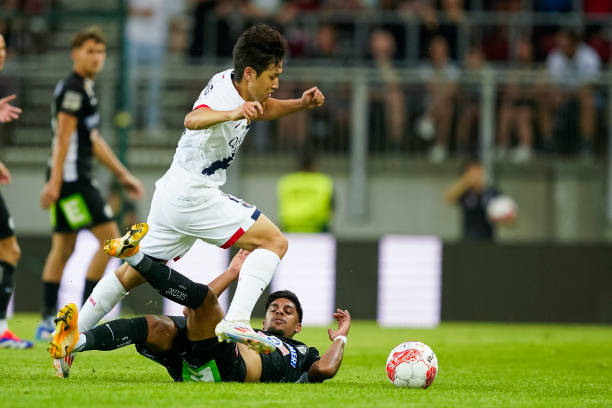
220, 220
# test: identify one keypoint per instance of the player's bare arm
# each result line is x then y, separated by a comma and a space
66, 125
221, 282
203, 118
278, 108
103, 152
328, 365
8, 112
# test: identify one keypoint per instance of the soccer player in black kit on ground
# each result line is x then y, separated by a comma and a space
188, 347
71, 194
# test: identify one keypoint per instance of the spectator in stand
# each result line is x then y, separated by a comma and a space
598, 38
516, 113
572, 67
469, 103
440, 76
390, 94
453, 20
147, 36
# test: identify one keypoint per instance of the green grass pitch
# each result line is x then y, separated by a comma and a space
481, 365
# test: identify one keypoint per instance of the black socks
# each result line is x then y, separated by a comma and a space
116, 334
171, 284
6, 286
50, 290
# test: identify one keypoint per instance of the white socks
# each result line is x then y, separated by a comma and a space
134, 259
255, 275
107, 293
3, 325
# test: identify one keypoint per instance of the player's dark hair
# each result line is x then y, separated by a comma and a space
258, 47
286, 294
89, 33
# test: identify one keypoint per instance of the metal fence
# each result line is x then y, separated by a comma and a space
371, 117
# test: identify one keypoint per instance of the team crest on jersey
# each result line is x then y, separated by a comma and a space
280, 346
72, 101
302, 349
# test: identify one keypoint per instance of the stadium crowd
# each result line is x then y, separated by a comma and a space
456, 40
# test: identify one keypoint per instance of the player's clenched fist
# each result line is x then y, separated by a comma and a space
312, 98
248, 110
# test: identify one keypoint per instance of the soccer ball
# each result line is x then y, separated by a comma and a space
412, 364
501, 208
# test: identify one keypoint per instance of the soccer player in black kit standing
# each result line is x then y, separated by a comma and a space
71, 194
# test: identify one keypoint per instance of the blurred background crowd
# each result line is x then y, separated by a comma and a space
447, 46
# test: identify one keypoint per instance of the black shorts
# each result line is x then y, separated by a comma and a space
7, 227
205, 360
80, 205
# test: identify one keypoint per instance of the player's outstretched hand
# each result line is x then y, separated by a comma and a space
236, 265
5, 174
8, 112
248, 110
343, 317
312, 98
132, 186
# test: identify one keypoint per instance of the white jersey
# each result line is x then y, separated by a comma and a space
202, 156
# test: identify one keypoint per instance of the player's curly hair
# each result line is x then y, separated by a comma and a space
286, 294
258, 47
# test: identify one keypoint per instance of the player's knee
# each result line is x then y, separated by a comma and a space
64, 252
210, 310
209, 302
162, 332
9, 250
283, 244
16, 252
277, 243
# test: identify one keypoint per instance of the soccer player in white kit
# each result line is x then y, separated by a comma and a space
188, 204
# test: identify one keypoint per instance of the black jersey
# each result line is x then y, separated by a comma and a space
476, 224
75, 96
289, 363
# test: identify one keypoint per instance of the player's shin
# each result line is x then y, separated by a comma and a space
171, 284
107, 293
114, 334
255, 275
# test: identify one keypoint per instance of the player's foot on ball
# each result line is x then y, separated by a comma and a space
242, 333
66, 332
128, 244
62, 365
8, 339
